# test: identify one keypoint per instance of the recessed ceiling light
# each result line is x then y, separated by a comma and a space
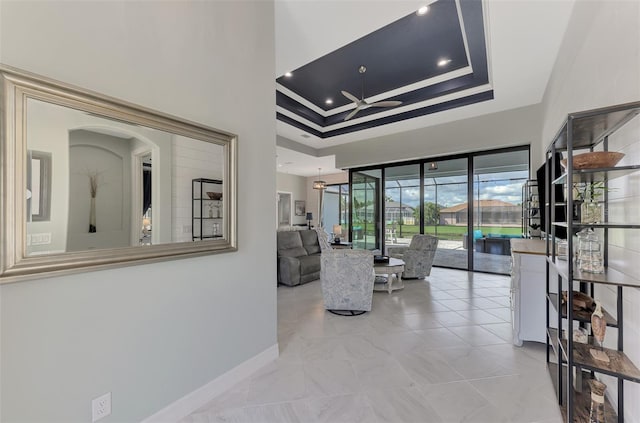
444, 62
328, 101
423, 10
288, 74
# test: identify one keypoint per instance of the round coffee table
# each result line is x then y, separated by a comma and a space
393, 271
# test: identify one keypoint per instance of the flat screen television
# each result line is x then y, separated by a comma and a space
557, 192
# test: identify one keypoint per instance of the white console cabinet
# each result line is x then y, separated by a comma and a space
528, 290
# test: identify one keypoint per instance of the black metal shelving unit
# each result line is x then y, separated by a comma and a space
530, 208
199, 188
585, 130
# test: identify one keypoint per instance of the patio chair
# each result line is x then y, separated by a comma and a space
347, 278
390, 232
417, 256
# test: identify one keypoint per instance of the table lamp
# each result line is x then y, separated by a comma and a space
309, 219
337, 231
146, 231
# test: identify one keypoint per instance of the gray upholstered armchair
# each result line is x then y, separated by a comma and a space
347, 277
417, 257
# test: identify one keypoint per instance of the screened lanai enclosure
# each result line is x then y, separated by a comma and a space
472, 203
336, 208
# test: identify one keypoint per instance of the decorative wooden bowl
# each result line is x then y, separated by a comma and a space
215, 195
581, 301
595, 159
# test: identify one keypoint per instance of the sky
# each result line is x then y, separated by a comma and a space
452, 190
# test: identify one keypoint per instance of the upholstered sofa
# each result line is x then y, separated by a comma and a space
298, 257
495, 244
490, 243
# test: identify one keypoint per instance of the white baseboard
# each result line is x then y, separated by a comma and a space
191, 402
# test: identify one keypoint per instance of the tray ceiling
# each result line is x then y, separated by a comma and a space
431, 62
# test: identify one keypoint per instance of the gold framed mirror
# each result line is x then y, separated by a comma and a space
89, 181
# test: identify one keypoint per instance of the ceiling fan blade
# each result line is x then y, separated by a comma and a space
386, 104
350, 96
350, 115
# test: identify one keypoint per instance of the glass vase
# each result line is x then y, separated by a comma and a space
590, 258
577, 207
590, 212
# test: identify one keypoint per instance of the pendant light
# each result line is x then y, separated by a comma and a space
319, 184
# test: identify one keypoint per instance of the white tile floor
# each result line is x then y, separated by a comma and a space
437, 351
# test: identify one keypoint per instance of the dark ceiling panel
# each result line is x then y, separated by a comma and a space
299, 109
474, 25
401, 53
447, 105
416, 96
296, 124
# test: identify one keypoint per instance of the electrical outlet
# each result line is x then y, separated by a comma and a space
41, 239
101, 407
186, 229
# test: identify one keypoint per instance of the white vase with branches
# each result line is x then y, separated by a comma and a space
591, 209
93, 190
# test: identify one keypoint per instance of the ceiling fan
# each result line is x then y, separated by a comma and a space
361, 103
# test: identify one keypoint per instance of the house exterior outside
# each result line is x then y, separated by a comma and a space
398, 212
488, 212
393, 212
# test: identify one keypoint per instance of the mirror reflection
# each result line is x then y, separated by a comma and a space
109, 184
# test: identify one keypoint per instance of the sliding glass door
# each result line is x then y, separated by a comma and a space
401, 204
365, 209
471, 202
497, 207
446, 207
336, 208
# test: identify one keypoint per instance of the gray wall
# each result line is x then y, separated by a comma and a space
110, 157
313, 195
297, 186
599, 66
504, 129
150, 333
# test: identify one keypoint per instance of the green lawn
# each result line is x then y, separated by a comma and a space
453, 232
450, 232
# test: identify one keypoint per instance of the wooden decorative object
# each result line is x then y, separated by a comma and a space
598, 327
580, 335
581, 301
597, 409
214, 195
599, 355
594, 159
